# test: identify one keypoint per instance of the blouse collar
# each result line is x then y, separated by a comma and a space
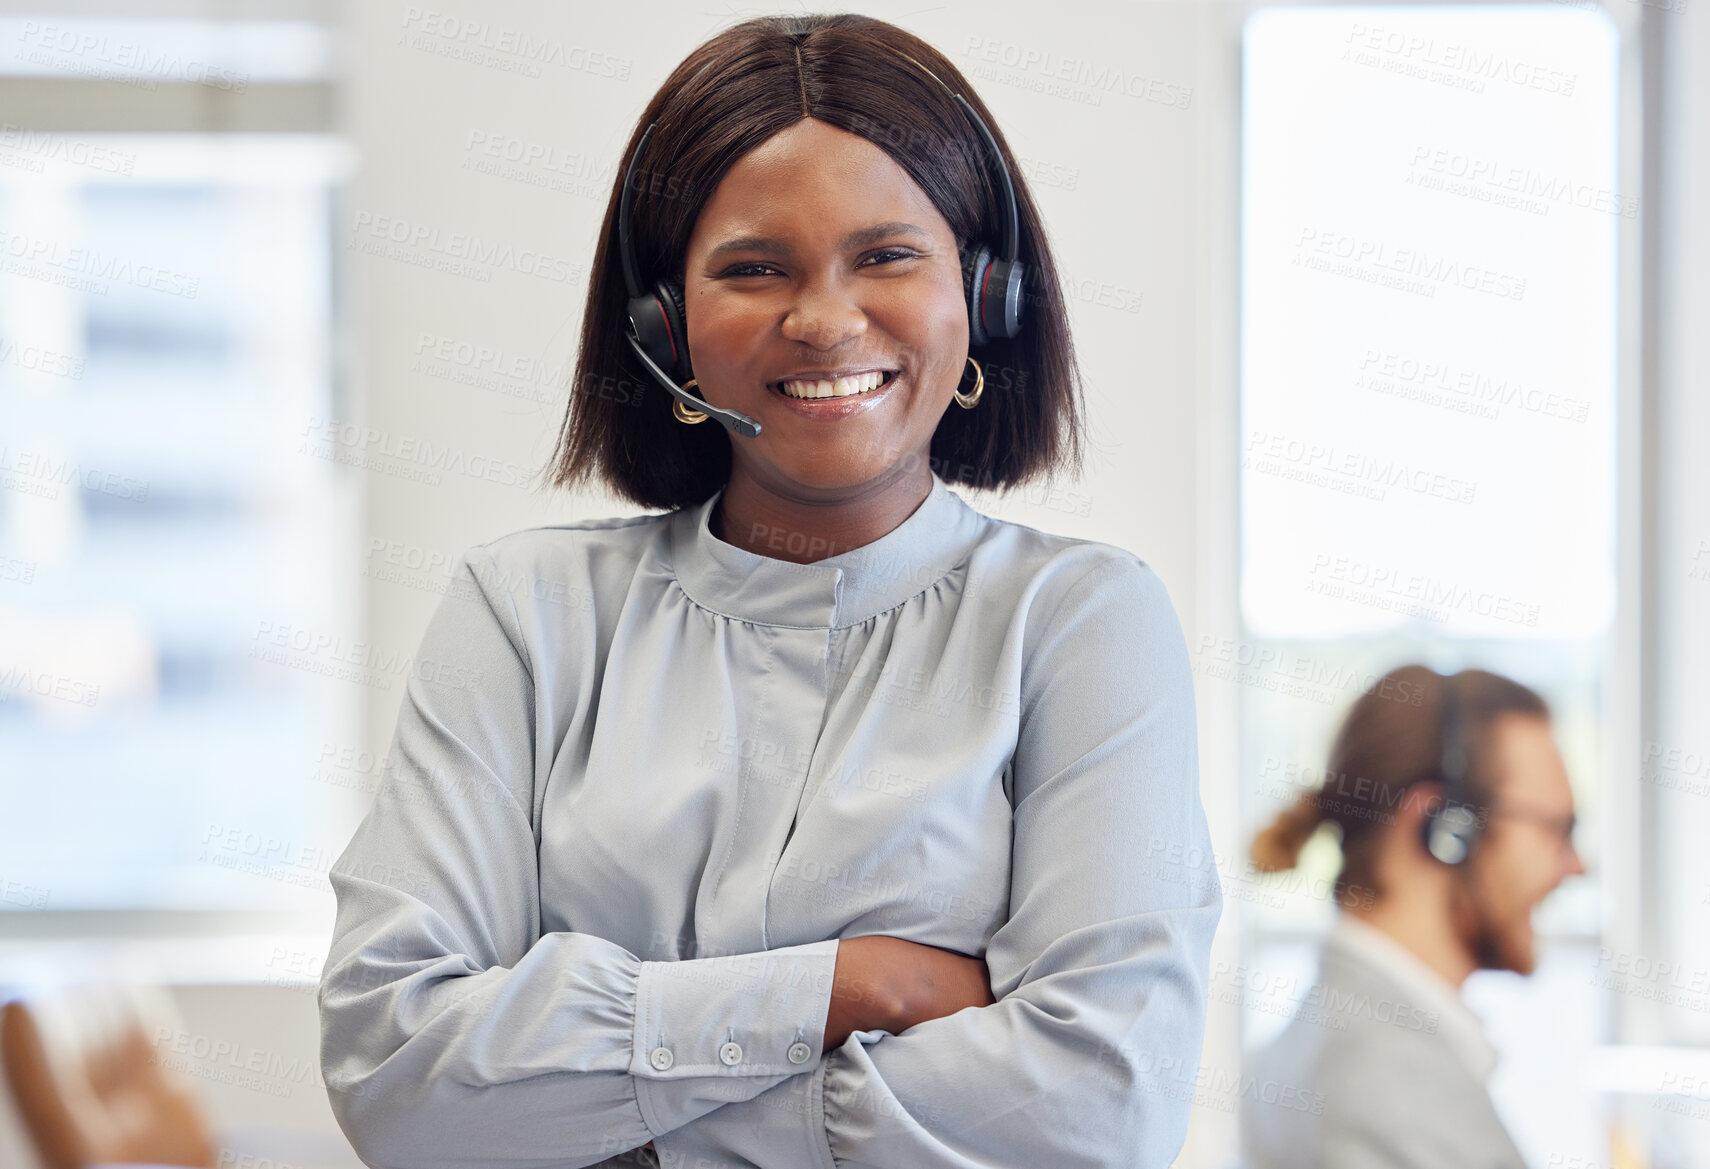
839, 591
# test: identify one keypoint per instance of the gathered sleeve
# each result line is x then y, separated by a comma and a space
452, 1032
1090, 1055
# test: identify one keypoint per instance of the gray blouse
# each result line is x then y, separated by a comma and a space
644, 780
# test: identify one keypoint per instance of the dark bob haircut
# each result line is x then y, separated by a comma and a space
728, 97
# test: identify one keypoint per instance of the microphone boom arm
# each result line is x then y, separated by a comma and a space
731, 420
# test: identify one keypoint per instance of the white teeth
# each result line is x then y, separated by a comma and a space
841, 388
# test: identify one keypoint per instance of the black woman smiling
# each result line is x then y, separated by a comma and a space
819, 818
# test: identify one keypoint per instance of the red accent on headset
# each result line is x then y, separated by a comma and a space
669, 335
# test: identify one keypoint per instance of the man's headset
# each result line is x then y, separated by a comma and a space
659, 336
1454, 826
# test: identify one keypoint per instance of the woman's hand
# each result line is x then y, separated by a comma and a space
885, 983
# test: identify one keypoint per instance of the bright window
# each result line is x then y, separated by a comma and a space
1430, 213
165, 326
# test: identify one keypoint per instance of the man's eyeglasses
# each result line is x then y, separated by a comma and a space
1562, 826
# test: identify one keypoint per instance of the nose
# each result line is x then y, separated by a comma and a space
824, 318
1576, 866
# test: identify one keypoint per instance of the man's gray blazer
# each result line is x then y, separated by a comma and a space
1361, 1078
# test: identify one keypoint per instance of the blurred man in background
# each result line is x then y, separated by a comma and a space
1456, 820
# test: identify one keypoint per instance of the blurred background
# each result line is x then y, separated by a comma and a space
1393, 353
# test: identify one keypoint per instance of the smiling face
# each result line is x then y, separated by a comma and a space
1526, 850
861, 273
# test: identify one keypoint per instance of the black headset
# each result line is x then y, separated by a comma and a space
1454, 826
659, 336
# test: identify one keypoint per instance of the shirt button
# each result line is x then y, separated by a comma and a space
662, 1058
731, 1054
799, 1052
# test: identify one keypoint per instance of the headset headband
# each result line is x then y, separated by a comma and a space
1452, 745
1454, 826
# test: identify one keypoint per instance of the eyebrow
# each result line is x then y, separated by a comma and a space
855, 239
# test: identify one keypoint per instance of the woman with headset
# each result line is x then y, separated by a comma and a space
819, 819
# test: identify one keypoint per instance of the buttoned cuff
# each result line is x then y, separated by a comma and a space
748, 1020
759, 1014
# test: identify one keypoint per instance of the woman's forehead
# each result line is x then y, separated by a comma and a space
812, 182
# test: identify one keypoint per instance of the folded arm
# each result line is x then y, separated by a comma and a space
452, 1031
1090, 1055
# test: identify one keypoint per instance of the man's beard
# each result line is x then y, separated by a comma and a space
1481, 933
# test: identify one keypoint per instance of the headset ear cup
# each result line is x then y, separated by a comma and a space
1450, 833
1434, 839
651, 323
977, 333
677, 317
1000, 298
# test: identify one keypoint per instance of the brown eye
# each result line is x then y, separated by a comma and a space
903, 253
738, 270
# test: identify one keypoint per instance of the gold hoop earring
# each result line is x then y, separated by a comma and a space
685, 413
969, 401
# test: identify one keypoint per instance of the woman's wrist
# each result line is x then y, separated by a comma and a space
863, 992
